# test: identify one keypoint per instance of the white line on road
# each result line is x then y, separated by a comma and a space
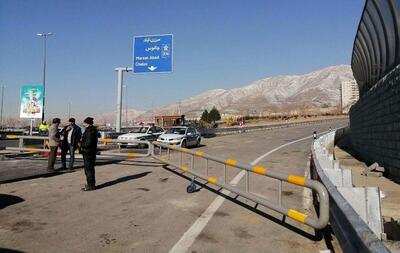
191, 234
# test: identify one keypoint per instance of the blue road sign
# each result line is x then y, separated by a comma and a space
152, 53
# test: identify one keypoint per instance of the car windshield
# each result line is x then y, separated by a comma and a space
176, 130
142, 130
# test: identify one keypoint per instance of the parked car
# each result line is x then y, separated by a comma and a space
35, 131
143, 133
182, 135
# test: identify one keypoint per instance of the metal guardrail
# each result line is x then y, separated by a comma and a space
32, 150
21, 139
234, 130
319, 223
352, 232
103, 153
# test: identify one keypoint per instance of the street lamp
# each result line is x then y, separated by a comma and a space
44, 36
2, 103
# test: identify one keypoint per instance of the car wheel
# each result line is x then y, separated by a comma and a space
198, 142
183, 145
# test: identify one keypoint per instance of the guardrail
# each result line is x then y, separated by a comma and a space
319, 223
352, 232
234, 130
21, 139
33, 150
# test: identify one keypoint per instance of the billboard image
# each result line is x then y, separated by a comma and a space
31, 101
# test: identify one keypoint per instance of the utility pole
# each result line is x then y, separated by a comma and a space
69, 110
44, 36
2, 104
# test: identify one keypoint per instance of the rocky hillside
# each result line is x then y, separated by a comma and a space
318, 89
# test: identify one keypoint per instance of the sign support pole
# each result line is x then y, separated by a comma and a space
120, 77
31, 128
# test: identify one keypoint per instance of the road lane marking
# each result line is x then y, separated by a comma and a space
191, 234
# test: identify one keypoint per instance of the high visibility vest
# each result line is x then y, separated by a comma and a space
43, 128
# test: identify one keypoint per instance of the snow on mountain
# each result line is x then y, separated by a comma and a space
317, 89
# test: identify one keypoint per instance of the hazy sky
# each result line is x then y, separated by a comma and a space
217, 44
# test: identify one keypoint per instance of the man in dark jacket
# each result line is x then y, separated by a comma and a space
71, 137
88, 150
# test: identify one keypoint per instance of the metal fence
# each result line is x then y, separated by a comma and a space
319, 223
235, 130
152, 148
35, 150
376, 48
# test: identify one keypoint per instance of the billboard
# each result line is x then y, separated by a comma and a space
31, 101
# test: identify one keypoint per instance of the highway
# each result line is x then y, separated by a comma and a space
141, 206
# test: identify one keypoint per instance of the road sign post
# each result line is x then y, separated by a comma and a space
120, 75
151, 54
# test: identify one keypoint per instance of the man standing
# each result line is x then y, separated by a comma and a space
54, 141
88, 150
71, 137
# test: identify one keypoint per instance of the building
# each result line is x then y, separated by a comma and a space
349, 95
168, 121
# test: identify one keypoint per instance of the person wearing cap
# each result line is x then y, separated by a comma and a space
54, 141
71, 137
88, 149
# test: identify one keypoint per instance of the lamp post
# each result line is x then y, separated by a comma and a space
2, 103
44, 36
69, 110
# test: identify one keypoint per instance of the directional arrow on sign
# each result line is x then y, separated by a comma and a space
152, 68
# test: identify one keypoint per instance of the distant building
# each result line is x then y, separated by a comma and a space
168, 121
349, 95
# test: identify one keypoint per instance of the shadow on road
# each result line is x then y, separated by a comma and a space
122, 179
317, 237
43, 173
8, 200
3, 250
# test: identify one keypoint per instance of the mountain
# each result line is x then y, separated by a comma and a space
318, 89
110, 117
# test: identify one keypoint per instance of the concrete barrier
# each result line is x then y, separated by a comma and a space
354, 212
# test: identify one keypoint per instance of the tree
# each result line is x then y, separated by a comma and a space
205, 116
214, 115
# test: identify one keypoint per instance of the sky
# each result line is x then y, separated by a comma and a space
217, 45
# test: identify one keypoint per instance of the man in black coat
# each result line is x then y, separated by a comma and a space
71, 137
88, 150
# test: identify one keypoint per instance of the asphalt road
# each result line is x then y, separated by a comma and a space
143, 207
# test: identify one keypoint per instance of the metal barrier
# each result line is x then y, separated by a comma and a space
21, 139
33, 150
319, 223
236, 130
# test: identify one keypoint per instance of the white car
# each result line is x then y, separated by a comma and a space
143, 133
182, 135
